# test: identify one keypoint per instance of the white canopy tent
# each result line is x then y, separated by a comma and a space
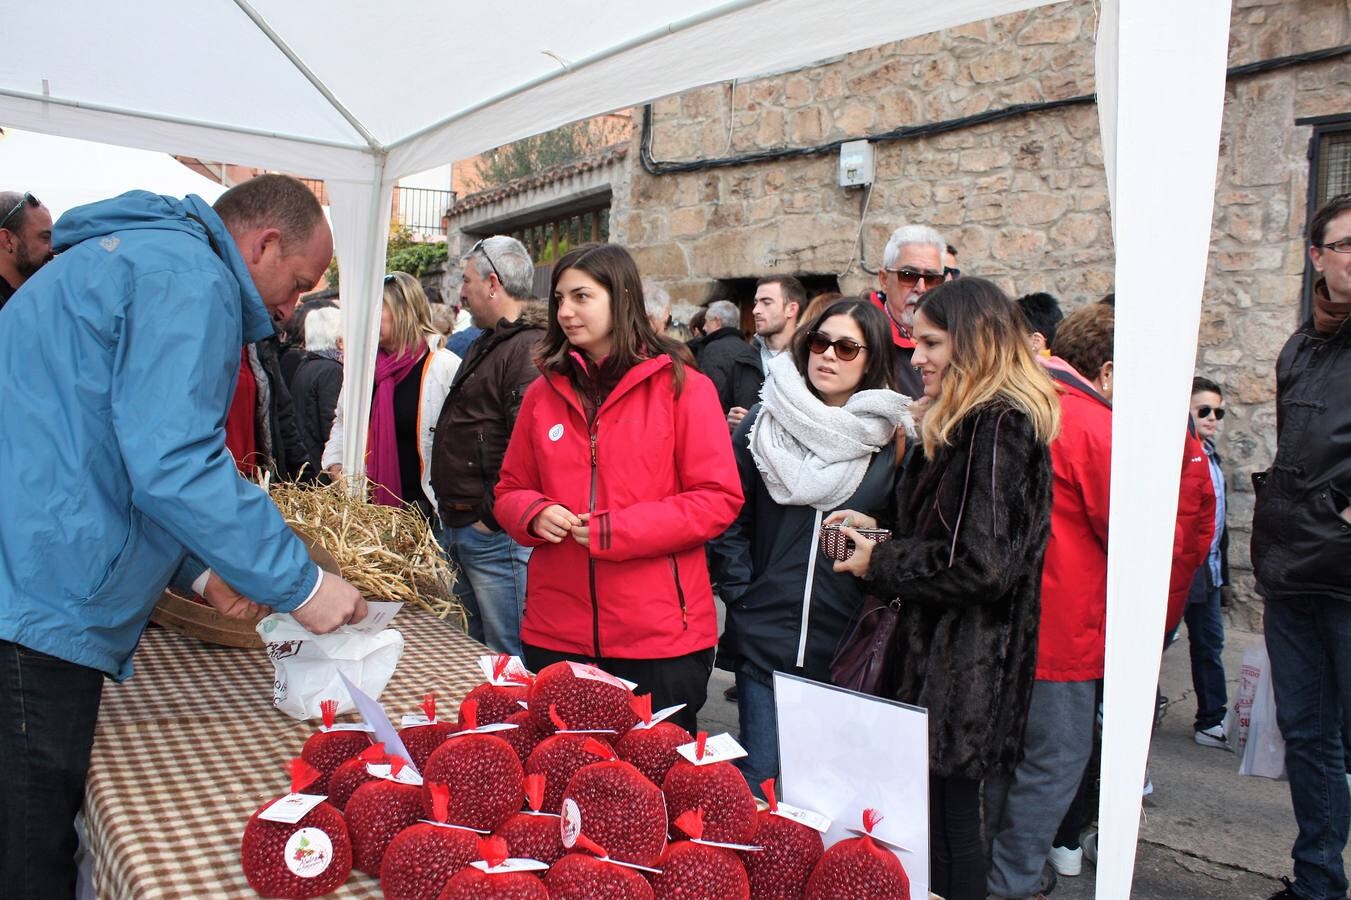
359, 94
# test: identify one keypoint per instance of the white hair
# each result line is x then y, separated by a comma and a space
656, 301
725, 311
912, 234
508, 259
323, 327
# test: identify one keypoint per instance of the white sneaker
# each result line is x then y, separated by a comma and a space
1149, 784
1066, 861
1089, 844
1213, 736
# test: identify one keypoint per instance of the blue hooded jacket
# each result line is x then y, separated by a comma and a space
118, 360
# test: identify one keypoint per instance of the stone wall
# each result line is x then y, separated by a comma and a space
1024, 199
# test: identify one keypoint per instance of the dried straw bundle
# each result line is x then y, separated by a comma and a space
386, 552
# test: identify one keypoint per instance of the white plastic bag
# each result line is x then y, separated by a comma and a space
308, 664
1251, 724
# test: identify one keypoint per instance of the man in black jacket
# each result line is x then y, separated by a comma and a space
1301, 552
472, 434
725, 357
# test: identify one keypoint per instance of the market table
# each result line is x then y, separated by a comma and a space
190, 746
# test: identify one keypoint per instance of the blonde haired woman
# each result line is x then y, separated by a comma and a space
971, 517
413, 372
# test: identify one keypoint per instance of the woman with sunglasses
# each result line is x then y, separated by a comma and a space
618, 471
413, 372
970, 520
823, 437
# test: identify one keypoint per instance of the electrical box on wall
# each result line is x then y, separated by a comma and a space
856, 163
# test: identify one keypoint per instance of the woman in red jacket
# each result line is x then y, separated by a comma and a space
619, 470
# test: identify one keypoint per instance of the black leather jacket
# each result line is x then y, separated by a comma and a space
1301, 545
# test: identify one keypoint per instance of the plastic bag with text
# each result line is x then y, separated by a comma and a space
308, 664
1251, 723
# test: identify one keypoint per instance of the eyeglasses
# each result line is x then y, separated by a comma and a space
26, 198
1203, 412
1342, 246
951, 274
845, 349
479, 247
907, 277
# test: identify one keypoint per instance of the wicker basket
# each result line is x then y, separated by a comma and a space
188, 617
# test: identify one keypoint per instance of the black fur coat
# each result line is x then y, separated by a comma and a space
965, 571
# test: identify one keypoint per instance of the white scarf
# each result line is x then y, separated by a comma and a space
811, 454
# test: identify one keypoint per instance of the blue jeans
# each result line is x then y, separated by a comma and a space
47, 712
759, 729
1309, 642
1205, 633
491, 584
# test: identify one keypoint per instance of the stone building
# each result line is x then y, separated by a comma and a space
989, 133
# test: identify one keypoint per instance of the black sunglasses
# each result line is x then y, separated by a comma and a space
480, 247
951, 274
907, 277
26, 198
1203, 412
845, 348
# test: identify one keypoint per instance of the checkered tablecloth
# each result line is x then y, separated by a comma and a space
190, 746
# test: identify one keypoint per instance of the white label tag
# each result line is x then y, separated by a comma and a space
510, 865
531, 812
309, 852
407, 774
374, 715
292, 808
813, 820
585, 731
718, 748
522, 704
449, 825
591, 673
414, 720
514, 674
628, 865
348, 726
659, 716
881, 840
570, 822
485, 729
726, 846
379, 613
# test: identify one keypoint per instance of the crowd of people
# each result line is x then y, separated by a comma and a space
601, 486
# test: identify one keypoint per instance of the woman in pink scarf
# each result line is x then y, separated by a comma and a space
413, 372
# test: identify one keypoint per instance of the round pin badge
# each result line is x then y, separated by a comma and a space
556, 432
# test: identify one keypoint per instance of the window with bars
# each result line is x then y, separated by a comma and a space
1329, 176
550, 239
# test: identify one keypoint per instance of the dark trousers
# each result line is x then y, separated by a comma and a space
678, 679
47, 712
1205, 634
956, 852
1309, 643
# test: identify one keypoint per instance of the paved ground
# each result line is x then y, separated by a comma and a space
1207, 832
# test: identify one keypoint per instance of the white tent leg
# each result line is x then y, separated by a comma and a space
1161, 157
360, 237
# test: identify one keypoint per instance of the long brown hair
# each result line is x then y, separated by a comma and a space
633, 338
410, 311
990, 360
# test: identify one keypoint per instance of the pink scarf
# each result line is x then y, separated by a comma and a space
382, 445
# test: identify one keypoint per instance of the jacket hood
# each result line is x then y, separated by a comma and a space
535, 314
142, 211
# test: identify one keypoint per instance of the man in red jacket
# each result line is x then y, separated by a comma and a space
1024, 809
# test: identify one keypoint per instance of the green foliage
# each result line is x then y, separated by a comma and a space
402, 254
542, 151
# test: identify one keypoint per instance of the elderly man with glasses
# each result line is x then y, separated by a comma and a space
912, 264
25, 240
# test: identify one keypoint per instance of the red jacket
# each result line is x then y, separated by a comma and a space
1195, 526
657, 474
1070, 644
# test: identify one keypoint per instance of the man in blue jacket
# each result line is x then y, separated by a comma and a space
117, 364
